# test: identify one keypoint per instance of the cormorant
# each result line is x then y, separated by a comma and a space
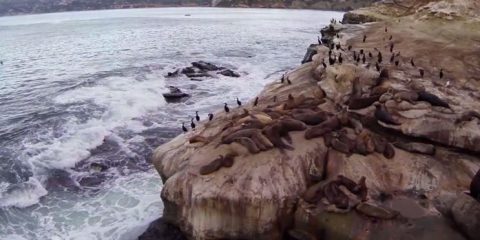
256, 102
391, 47
340, 59
364, 38
324, 64
422, 72
196, 116
411, 62
192, 124
240, 103
210, 117
386, 30
391, 36
379, 57
441, 73
288, 81
361, 51
370, 55
184, 128
226, 108
377, 66
363, 59
392, 58
396, 63
354, 55
349, 47
283, 78
319, 40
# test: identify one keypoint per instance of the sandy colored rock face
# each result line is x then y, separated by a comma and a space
430, 149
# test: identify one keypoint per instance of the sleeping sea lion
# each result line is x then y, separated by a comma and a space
247, 143
362, 102
325, 127
432, 99
389, 151
213, 166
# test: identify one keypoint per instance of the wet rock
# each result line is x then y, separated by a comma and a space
229, 73
416, 147
174, 74
174, 95
311, 50
205, 66
375, 211
61, 179
98, 167
93, 180
160, 229
198, 75
188, 70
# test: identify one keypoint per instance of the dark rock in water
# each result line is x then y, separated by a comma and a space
355, 18
188, 70
173, 74
61, 179
198, 75
93, 180
229, 73
312, 50
205, 66
174, 95
159, 229
196, 79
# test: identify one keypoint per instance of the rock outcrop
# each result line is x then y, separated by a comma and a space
366, 146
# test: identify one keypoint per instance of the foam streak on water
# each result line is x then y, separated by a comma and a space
86, 87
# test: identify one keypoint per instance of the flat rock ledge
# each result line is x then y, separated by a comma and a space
374, 157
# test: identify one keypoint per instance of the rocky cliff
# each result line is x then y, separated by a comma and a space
12, 7
377, 137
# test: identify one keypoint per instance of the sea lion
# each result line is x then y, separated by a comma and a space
254, 134
432, 99
409, 96
290, 124
380, 144
311, 118
348, 183
314, 193
325, 127
335, 196
389, 151
340, 146
228, 160
362, 102
381, 114
467, 116
213, 166
273, 133
364, 143
475, 186
248, 143
379, 90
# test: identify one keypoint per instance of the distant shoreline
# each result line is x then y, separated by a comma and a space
171, 6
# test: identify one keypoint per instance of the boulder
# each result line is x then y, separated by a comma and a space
205, 66
159, 229
229, 73
311, 51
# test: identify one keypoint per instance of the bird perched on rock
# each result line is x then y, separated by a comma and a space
361, 51
331, 60
383, 115
192, 124
441, 73
386, 30
226, 108
319, 41
392, 58
282, 80
210, 116
379, 56
370, 55
288, 81
397, 62
349, 47
324, 64
364, 38
412, 62
239, 103
390, 38
391, 47
422, 72
354, 55
184, 128
377, 67
363, 59
255, 102
196, 116
340, 59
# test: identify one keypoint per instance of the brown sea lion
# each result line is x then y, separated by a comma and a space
228, 160
314, 193
325, 127
364, 143
362, 189
273, 133
379, 90
362, 102
409, 96
348, 183
380, 144
213, 166
335, 196
248, 143
340, 146
254, 134
290, 124
327, 138
432, 99
381, 114
475, 186
311, 118
467, 116
389, 151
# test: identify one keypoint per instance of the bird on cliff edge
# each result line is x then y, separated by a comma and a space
256, 102
364, 38
319, 41
226, 108
210, 117
239, 103
192, 124
196, 116
184, 128
441, 73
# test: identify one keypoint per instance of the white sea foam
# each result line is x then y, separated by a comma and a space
22, 194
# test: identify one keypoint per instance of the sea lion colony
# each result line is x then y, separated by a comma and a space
268, 125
